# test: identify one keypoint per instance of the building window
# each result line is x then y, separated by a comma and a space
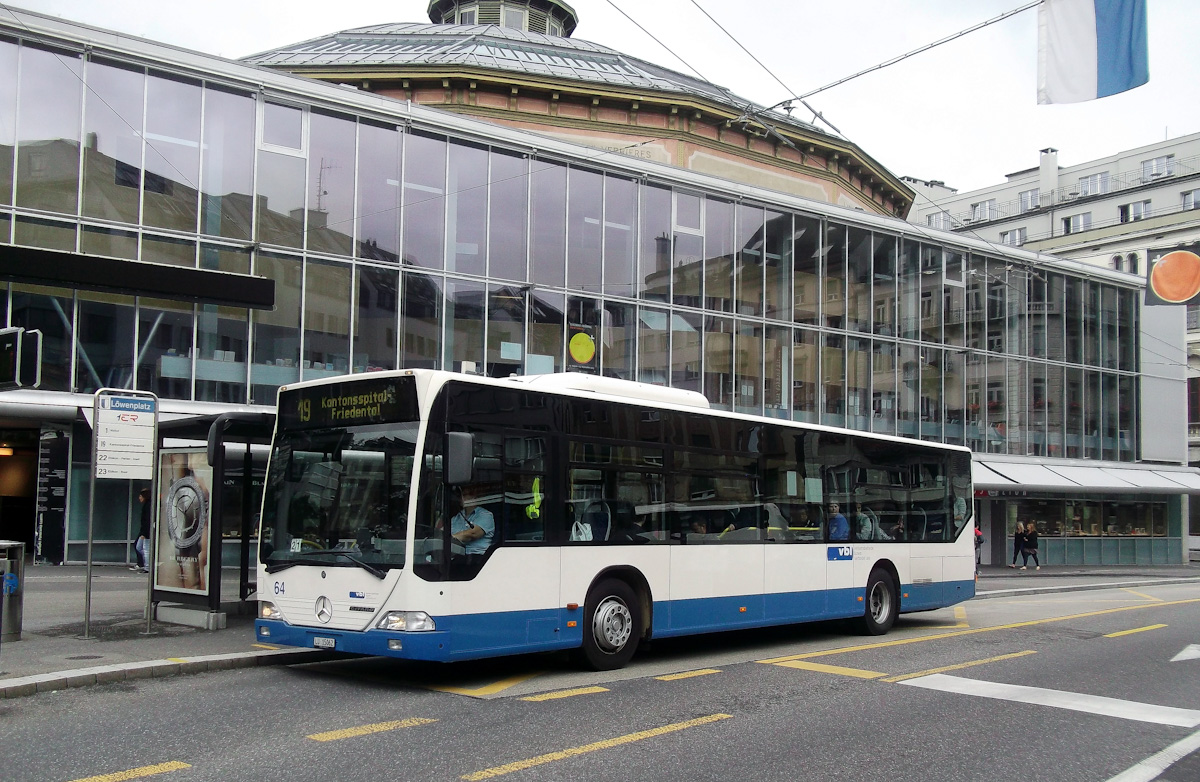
554, 27
513, 17
1191, 199
1029, 199
984, 210
466, 16
1193, 400
1093, 184
1131, 213
1161, 166
940, 221
1014, 238
1077, 223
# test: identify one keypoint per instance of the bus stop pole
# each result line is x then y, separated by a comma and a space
87, 590
151, 545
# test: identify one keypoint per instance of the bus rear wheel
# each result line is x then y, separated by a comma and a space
612, 626
882, 604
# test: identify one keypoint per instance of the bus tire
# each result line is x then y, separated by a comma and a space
882, 604
612, 625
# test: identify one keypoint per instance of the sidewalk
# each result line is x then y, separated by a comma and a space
52, 655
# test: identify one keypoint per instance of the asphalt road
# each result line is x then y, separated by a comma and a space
1076, 686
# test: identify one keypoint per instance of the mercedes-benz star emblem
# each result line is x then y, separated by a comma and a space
324, 609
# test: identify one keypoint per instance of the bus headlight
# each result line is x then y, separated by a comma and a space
269, 611
407, 621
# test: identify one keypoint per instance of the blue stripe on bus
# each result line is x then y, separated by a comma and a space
471, 636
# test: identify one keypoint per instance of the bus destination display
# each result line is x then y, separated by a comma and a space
349, 404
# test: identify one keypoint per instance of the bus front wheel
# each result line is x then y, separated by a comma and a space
612, 626
882, 604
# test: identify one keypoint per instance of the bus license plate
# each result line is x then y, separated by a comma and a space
324, 643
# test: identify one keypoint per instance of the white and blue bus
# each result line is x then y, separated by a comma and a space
431, 515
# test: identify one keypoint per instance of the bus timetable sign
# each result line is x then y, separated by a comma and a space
126, 434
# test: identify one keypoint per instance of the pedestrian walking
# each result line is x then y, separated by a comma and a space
1018, 542
142, 546
1030, 548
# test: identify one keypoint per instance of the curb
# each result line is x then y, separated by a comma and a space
1045, 590
154, 669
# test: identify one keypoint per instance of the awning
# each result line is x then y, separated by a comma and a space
1106, 478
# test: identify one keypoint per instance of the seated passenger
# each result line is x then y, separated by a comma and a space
839, 528
473, 525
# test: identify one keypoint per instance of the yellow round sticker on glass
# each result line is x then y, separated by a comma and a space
582, 348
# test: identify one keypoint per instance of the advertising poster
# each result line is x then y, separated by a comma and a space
181, 562
1173, 276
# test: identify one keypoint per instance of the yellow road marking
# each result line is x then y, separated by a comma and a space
960, 666
670, 677
137, 773
1131, 632
550, 757
550, 696
960, 618
488, 689
974, 631
177, 659
265, 646
857, 673
366, 730
1151, 598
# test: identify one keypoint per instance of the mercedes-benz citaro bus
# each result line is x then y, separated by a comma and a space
432, 515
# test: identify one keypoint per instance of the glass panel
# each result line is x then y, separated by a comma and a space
931, 394
834, 295
379, 151
276, 333
376, 318
467, 210
1074, 320
954, 300
619, 340
858, 384
1128, 336
546, 323
48, 130
1091, 411
164, 357
49, 234
718, 254
777, 266
687, 211
584, 212
1108, 416
424, 201
583, 328
50, 311
227, 164
777, 366
909, 312
1016, 408
506, 331
172, 179
1055, 320
547, 223
686, 351
280, 199
689, 250
806, 377
859, 272
168, 250
1074, 435
750, 240
883, 387
1091, 323
1055, 394
931, 293
1127, 436
463, 351
1033, 413
422, 331
1111, 345
748, 361
833, 380
8, 119
653, 346
620, 235
656, 251
330, 184
509, 223
109, 242
718, 362
112, 156
221, 335
104, 357
953, 395
283, 126
883, 260
909, 380
326, 320
806, 279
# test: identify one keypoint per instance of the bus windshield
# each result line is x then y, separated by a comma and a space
338, 497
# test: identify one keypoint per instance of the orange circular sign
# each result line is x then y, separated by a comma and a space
582, 348
1176, 276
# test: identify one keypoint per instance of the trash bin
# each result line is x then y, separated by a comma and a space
12, 589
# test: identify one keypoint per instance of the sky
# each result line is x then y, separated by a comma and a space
965, 113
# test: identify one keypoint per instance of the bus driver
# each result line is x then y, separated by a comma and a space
473, 525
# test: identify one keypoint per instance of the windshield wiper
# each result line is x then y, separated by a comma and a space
337, 552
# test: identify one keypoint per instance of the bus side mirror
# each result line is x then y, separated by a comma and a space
459, 463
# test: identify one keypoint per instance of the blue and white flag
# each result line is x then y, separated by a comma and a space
1090, 49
